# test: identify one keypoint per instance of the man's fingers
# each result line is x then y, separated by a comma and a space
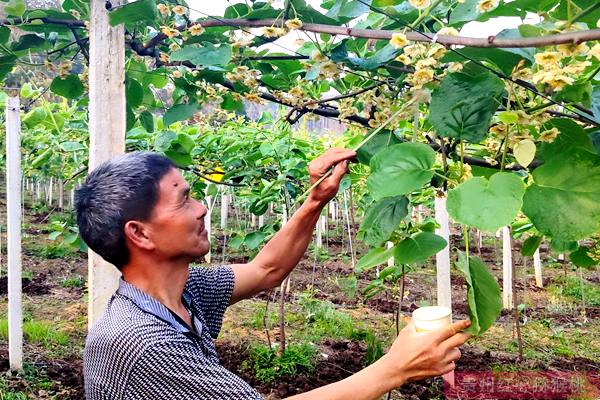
453, 355
340, 170
457, 340
453, 329
330, 158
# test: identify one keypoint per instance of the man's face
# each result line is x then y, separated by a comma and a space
177, 222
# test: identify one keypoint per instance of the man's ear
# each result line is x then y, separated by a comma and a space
137, 233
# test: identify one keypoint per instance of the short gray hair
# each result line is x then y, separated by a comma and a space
117, 191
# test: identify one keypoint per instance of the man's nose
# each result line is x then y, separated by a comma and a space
202, 209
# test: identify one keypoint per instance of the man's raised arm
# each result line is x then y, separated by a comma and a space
283, 252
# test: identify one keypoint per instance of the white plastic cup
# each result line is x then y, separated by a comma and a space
431, 318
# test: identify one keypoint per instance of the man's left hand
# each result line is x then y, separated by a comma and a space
337, 158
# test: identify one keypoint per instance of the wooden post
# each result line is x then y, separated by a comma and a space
50, 190
537, 266
261, 221
507, 275
13, 210
61, 194
347, 217
442, 258
107, 124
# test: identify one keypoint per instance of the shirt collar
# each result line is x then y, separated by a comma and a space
152, 306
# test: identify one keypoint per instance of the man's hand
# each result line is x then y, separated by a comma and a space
338, 159
418, 355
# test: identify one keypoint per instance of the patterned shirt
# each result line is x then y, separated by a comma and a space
140, 350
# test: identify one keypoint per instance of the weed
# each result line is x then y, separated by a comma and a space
325, 320
75, 281
4, 329
51, 251
268, 366
44, 333
374, 347
27, 275
575, 288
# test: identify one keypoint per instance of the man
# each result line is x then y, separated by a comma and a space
155, 340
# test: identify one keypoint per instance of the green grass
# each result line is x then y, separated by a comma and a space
576, 289
268, 366
323, 320
75, 281
44, 333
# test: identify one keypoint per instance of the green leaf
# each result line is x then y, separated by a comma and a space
571, 137
596, 103
209, 54
400, 169
419, 247
54, 235
487, 205
72, 146
69, 86
180, 112
180, 159
183, 144
15, 7
27, 42
375, 60
7, 63
308, 14
502, 59
382, 218
483, 293
254, 239
134, 93
530, 245
35, 117
141, 10
4, 34
379, 142
42, 158
163, 140
581, 258
564, 200
147, 120
375, 257
463, 105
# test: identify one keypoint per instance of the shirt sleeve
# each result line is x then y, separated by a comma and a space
211, 289
175, 370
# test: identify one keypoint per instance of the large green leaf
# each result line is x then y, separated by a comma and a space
382, 218
564, 200
147, 120
530, 245
400, 169
375, 256
571, 137
379, 142
375, 60
419, 247
483, 293
7, 63
504, 60
308, 14
209, 54
27, 42
15, 7
463, 105
581, 258
180, 112
35, 117
134, 93
69, 86
487, 204
140, 10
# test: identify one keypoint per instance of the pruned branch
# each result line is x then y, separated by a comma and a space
491, 41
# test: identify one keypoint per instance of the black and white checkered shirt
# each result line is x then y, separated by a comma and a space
139, 349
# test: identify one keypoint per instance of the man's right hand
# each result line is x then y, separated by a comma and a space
419, 355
